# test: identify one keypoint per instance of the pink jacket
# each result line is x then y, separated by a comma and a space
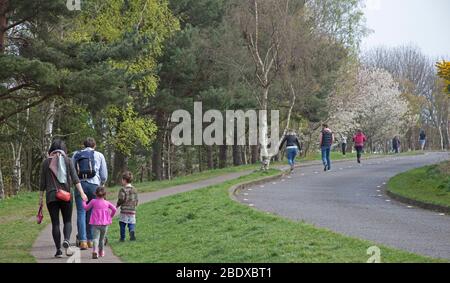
100, 214
359, 139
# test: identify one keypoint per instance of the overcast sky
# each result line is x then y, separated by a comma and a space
425, 23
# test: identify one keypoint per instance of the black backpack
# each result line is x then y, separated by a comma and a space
85, 164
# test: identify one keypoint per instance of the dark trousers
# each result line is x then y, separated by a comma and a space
54, 208
123, 226
359, 150
344, 148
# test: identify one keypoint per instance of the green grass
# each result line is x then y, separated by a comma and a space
18, 227
427, 184
207, 226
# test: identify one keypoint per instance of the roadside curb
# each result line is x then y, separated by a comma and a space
234, 190
423, 205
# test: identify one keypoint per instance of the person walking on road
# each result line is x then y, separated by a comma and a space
292, 147
359, 139
422, 139
92, 171
343, 144
58, 174
396, 144
326, 140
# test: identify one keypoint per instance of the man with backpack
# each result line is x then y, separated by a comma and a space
326, 140
92, 172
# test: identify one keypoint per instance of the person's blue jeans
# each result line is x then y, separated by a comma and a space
291, 154
123, 226
85, 231
326, 156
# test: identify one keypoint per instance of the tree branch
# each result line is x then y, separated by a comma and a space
18, 110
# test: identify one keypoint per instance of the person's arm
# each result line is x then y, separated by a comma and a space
76, 181
121, 198
42, 184
103, 169
281, 144
320, 138
89, 206
113, 209
298, 143
332, 138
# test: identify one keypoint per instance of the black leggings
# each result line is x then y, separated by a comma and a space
66, 210
359, 150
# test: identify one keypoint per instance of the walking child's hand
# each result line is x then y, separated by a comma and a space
84, 197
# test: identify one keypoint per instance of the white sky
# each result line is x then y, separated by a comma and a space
424, 23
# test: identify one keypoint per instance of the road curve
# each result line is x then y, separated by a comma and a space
350, 200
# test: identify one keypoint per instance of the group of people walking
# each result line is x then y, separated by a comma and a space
87, 171
326, 141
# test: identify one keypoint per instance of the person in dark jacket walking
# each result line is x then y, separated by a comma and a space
326, 140
57, 171
422, 139
292, 147
396, 144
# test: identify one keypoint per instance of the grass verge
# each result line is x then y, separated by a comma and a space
429, 184
207, 226
18, 227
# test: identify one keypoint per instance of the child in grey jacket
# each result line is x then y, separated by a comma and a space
127, 201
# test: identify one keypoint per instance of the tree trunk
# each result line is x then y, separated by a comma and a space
236, 155
244, 155
254, 153
156, 161
120, 165
441, 137
2, 185
148, 168
188, 160
168, 158
157, 148
200, 158
209, 157
48, 127
223, 150
264, 151
16, 178
3, 24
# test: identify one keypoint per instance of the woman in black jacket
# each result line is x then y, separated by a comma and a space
292, 147
58, 171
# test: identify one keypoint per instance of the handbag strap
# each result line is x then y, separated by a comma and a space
54, 181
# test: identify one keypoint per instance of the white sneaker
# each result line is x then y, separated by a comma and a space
69, 251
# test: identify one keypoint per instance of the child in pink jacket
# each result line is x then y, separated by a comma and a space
101, 217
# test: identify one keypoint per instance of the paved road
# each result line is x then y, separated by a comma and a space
350, 200
43, 248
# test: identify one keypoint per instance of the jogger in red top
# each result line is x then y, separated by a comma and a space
359, 139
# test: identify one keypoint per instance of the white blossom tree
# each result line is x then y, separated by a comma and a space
375, 105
